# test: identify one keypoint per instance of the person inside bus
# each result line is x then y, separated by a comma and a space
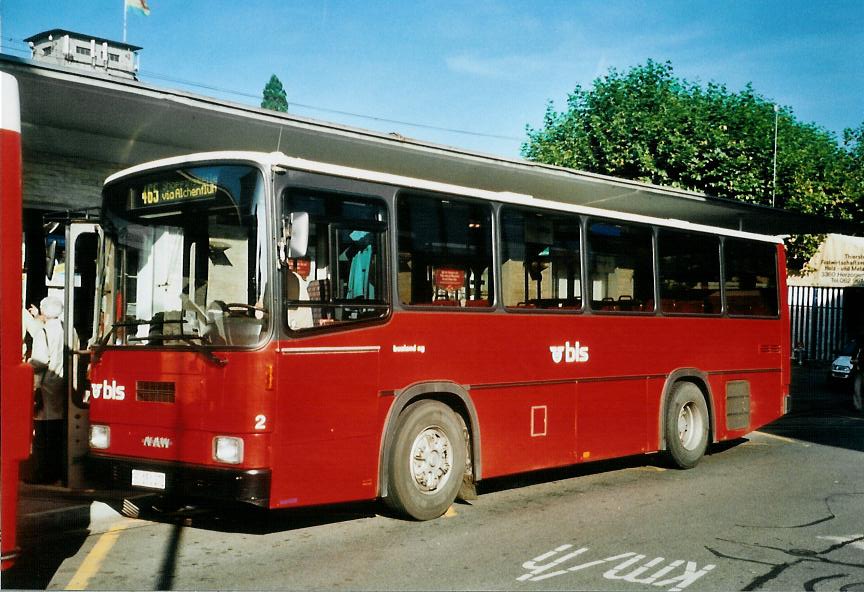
49, 387
297, 288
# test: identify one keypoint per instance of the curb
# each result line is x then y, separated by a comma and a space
102, 517
95, 517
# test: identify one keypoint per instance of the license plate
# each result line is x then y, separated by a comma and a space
151, 479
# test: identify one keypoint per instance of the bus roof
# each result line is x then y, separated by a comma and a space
278, 159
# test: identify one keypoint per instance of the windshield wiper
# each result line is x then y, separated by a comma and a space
188, 339
99, 347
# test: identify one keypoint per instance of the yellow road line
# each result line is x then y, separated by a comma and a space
91, 564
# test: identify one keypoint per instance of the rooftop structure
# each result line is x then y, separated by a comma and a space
76, 50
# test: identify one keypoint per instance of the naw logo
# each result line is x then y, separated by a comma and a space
569, 354
113, 391
156, 442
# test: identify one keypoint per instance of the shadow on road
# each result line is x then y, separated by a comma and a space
562, 473
591, 468
246, 519
821, 411
44, 549
169, 560
251, 520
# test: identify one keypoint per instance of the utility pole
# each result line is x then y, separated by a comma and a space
774, 182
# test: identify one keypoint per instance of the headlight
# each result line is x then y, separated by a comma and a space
228, 449
100, 436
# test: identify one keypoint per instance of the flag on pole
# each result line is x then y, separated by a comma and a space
139, 6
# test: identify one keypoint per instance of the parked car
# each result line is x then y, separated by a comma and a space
848, 360
848, 369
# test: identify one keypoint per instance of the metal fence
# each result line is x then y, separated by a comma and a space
817, 320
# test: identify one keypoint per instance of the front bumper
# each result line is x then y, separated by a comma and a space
186, 481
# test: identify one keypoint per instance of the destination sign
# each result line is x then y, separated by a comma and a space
172, 192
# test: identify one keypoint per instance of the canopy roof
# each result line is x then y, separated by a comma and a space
90, 116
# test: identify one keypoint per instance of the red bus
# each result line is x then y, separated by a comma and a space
16, 385
289, 333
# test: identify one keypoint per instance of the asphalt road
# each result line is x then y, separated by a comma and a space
782, 509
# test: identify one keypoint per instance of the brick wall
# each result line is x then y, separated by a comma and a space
62, 182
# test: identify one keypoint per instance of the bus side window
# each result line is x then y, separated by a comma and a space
750, 277
541, 260
445, 252
342, 277
689, 272
620, 271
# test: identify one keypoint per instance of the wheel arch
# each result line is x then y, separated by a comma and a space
455, 396
698, 378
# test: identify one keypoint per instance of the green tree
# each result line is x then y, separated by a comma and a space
647, 124
275, 97
853, 143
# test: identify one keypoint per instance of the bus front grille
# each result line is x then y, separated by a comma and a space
154, 392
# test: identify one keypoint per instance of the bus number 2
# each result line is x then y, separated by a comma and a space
260, 422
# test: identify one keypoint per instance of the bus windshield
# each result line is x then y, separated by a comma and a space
185, 259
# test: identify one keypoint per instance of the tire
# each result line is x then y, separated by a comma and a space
858, 392
686, 425
426, 462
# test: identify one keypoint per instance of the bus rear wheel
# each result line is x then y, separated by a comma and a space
686, 425
426, 461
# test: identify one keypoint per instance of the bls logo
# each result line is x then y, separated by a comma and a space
107, 391
569, 353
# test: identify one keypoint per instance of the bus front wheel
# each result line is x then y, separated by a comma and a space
686, 425
426, 461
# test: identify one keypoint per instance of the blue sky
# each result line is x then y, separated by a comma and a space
487, 67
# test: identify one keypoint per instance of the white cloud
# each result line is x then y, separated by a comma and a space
508, 67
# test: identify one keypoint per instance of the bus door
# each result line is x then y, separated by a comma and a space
333, 282
82, 247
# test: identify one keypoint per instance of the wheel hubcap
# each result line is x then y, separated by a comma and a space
430, 459
690, 426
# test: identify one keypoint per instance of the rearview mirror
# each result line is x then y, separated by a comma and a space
298, 234
50, 259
